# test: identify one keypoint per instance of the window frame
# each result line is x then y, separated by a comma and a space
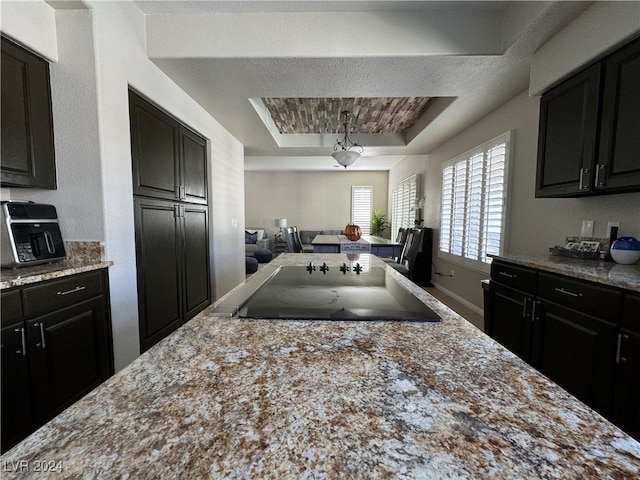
469, 210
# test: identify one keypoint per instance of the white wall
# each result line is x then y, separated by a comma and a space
310, 200
534, 224
101, 54
598, 29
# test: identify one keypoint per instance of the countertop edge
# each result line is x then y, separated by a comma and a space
48, 273
611, 274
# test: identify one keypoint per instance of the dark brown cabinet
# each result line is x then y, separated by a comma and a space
511, 324
618, 166
28, 158
626, 398
172, 251
588, 142
56, 352
512, 299
172, 223
582, 335
169, 160
577, 351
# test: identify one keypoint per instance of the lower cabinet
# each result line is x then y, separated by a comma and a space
626, 398
511, 320
577, 351
583, 336
52, 359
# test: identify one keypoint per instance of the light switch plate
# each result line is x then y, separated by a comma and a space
587, 228
610, 225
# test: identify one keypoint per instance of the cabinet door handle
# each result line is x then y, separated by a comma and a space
79, 288
42, 343
23, 334
583, 172
508, 275
524, 307
533, 310
567, 292
600, 167
619, 359
183, 192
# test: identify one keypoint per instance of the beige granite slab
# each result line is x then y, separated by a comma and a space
276, 399
598, 271
82, 256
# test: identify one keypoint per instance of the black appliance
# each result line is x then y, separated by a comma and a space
326, 293
30, 234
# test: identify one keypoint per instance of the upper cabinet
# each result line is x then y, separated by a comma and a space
28, 158
588, 141
169, 160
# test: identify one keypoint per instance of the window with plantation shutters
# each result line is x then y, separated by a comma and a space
403, 203
474, 188
361, 198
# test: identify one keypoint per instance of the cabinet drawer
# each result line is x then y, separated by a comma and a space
11, 303
630, 312
585, 297
50, 296
520, 278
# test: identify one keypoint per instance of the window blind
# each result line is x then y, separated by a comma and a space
474, 187
403, 203
361, 198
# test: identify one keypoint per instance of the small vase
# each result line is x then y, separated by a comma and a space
353, 232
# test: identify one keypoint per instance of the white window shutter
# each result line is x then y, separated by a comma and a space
474, 192
361, 199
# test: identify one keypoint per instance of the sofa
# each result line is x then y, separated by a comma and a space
307, 236
255, 239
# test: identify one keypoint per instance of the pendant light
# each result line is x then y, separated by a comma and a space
342, 150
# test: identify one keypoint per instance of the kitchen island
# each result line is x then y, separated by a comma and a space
249, 398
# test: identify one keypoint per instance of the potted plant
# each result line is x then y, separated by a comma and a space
378, 223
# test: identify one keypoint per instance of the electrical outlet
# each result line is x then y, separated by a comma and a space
587, 228
611, 225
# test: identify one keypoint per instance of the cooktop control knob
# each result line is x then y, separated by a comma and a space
344, 268
357, 269
311, 268
324, 268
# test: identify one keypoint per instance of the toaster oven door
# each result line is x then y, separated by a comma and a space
37, 242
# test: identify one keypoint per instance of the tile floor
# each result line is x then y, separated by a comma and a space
465, 312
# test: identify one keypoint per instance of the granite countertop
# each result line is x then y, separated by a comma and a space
231, 398
81, 257
598, 271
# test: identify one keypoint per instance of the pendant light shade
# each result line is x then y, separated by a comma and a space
345, 157
342, 150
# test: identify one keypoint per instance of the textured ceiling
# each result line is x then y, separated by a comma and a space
465, 58
368, 115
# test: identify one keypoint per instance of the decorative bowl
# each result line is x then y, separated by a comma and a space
625, 250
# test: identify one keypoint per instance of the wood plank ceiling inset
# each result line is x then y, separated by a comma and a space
368, 115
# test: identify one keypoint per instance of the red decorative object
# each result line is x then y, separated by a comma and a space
353, 232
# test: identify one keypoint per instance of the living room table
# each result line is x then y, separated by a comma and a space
381, 247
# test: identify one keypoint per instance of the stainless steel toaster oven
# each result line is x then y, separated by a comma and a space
30, 234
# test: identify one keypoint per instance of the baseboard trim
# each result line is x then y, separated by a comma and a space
459, 299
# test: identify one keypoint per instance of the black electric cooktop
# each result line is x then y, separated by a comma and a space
318, 292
